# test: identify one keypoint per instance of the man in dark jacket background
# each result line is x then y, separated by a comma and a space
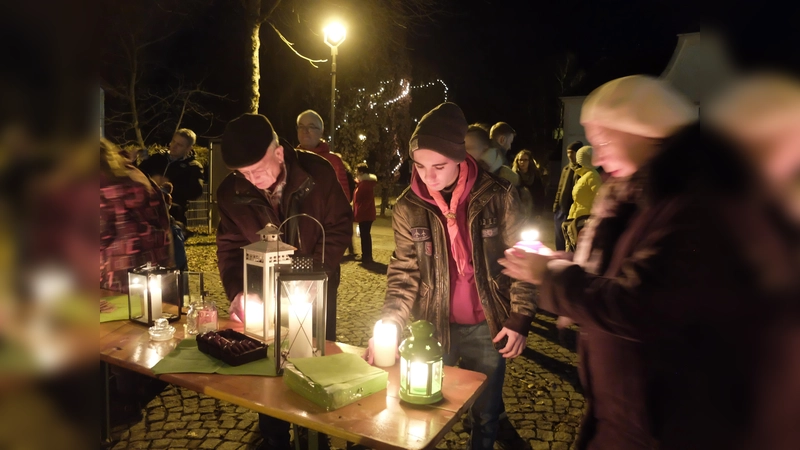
563, 201
270, 183
179, 167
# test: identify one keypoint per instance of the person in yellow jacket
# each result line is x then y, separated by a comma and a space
583, 194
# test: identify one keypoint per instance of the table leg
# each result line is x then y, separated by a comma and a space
313, 438
106, 425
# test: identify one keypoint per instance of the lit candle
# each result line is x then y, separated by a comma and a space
530, 243
254, 315
384, 341
155, 298
300, 327
418, 385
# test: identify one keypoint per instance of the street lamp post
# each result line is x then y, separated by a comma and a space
334, 36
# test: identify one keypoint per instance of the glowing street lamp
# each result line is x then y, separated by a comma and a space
335, 34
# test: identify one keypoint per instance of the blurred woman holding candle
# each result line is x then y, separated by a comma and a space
451, 226
662, 282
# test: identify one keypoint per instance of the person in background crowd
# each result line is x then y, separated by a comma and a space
480, 316
478, 146
134, 223
179, 167
563, 200
178, 237
663, 278
531, 180
364, 209
502, 136
583, 195
351, 184
271, 183
309, 133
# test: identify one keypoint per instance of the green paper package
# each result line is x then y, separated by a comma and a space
334, 381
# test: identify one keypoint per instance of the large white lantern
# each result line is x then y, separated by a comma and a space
260, 259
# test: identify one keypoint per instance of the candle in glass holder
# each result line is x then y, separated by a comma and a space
300, 327
384, 341
155, 298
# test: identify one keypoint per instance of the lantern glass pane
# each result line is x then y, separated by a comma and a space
297, 306
255, 300
191, 288
403, 373
418, 378
436, 379
171, 299
137, 295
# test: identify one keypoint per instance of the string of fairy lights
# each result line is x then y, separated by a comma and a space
374, 101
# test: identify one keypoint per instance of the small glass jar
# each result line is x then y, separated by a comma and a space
208, 319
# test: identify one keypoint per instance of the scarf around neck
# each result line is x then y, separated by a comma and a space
467, 176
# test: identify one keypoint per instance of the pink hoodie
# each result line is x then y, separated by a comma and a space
465, 305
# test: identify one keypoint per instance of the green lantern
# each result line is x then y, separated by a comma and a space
421, 365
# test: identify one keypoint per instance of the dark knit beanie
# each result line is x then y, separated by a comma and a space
246, 140
442, 130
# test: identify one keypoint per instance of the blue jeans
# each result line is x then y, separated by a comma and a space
473, 345
558, 218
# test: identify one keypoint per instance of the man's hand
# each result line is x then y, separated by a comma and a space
516, 343
237, 308
369, 355
524, 266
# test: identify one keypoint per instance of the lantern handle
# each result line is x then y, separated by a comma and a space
315, 220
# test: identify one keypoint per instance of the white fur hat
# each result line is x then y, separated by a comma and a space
584, 156
640, 105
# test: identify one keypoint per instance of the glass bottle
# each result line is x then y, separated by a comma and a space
192, 318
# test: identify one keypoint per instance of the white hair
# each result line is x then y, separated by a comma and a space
311, 112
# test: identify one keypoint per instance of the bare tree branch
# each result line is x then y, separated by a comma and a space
291, 47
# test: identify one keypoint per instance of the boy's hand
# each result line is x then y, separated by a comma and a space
516, 343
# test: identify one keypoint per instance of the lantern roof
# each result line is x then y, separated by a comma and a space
278, 246
269, 233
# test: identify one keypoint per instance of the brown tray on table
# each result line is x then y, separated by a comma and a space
231, 347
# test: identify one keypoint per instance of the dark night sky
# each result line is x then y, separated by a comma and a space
497, 57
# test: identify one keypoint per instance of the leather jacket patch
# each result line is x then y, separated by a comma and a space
489, 232
420, 234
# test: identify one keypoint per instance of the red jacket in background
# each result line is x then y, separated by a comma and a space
324, 150
364, 198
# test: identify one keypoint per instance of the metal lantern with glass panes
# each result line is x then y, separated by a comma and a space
260, 259
153, 293
301, 306
421, 365
300, 300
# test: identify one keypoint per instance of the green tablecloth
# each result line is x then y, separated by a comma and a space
187, 358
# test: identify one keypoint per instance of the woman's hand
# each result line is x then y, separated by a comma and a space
524, 266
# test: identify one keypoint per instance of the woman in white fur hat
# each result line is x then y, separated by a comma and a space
583, 195
660, 284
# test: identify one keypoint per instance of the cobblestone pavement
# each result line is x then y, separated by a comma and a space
542, 391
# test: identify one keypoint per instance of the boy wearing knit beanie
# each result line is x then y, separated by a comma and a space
451, 226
